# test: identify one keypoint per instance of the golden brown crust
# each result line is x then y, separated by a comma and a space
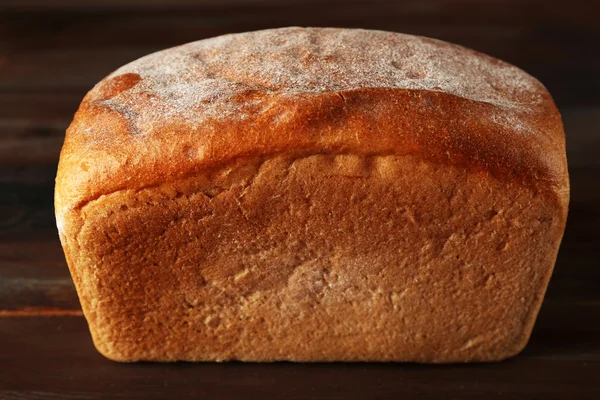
150, 145
317, 258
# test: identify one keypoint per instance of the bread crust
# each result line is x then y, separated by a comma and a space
134, 139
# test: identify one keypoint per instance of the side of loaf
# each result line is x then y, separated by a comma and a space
313, 194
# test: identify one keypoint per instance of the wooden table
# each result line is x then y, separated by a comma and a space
52, 52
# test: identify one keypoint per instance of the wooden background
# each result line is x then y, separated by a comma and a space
52, 52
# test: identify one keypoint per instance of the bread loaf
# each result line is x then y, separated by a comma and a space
313, 194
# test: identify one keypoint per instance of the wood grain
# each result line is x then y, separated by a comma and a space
52, 52
77, 370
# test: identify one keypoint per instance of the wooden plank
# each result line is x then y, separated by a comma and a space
54, 357
42, 5
40, 110
583, 138
462, 9
35, 174
62, 69
36, 296
566, 329
32, 127
19, 147
457, 21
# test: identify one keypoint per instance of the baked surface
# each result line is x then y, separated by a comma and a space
313, 194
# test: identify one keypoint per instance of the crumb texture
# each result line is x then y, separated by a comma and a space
317, 258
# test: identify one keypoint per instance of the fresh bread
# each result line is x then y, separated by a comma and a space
313, 194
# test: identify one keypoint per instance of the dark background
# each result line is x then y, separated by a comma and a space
52, 52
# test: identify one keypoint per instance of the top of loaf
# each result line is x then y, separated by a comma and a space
201, 79
309, 90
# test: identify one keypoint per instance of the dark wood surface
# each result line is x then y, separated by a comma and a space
52, 52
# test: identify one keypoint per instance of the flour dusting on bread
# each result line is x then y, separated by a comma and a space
206, 78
